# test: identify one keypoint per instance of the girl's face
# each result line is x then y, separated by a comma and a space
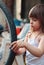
34, 24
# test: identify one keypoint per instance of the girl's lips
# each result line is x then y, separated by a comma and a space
31, 25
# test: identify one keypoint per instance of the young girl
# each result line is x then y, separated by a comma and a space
34, 41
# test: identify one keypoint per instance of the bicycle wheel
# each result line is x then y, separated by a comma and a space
12, 29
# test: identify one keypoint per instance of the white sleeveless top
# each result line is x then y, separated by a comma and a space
31, 59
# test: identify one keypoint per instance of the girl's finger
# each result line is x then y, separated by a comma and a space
12, 44
16, 48
13, 47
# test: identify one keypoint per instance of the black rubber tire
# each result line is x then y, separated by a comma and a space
12, 30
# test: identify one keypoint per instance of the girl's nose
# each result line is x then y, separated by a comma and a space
31, 22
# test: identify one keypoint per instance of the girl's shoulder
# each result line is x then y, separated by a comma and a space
42, 36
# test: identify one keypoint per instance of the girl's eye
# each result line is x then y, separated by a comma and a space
34, 19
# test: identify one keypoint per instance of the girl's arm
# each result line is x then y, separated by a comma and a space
22, 50
18, 46
36, 51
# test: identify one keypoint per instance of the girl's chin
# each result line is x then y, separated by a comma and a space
33, 30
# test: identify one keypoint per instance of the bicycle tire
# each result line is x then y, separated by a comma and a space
12, 30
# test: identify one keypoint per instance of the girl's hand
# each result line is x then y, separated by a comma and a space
16, 45
27, 36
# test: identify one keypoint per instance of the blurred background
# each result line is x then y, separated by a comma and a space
19, 8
